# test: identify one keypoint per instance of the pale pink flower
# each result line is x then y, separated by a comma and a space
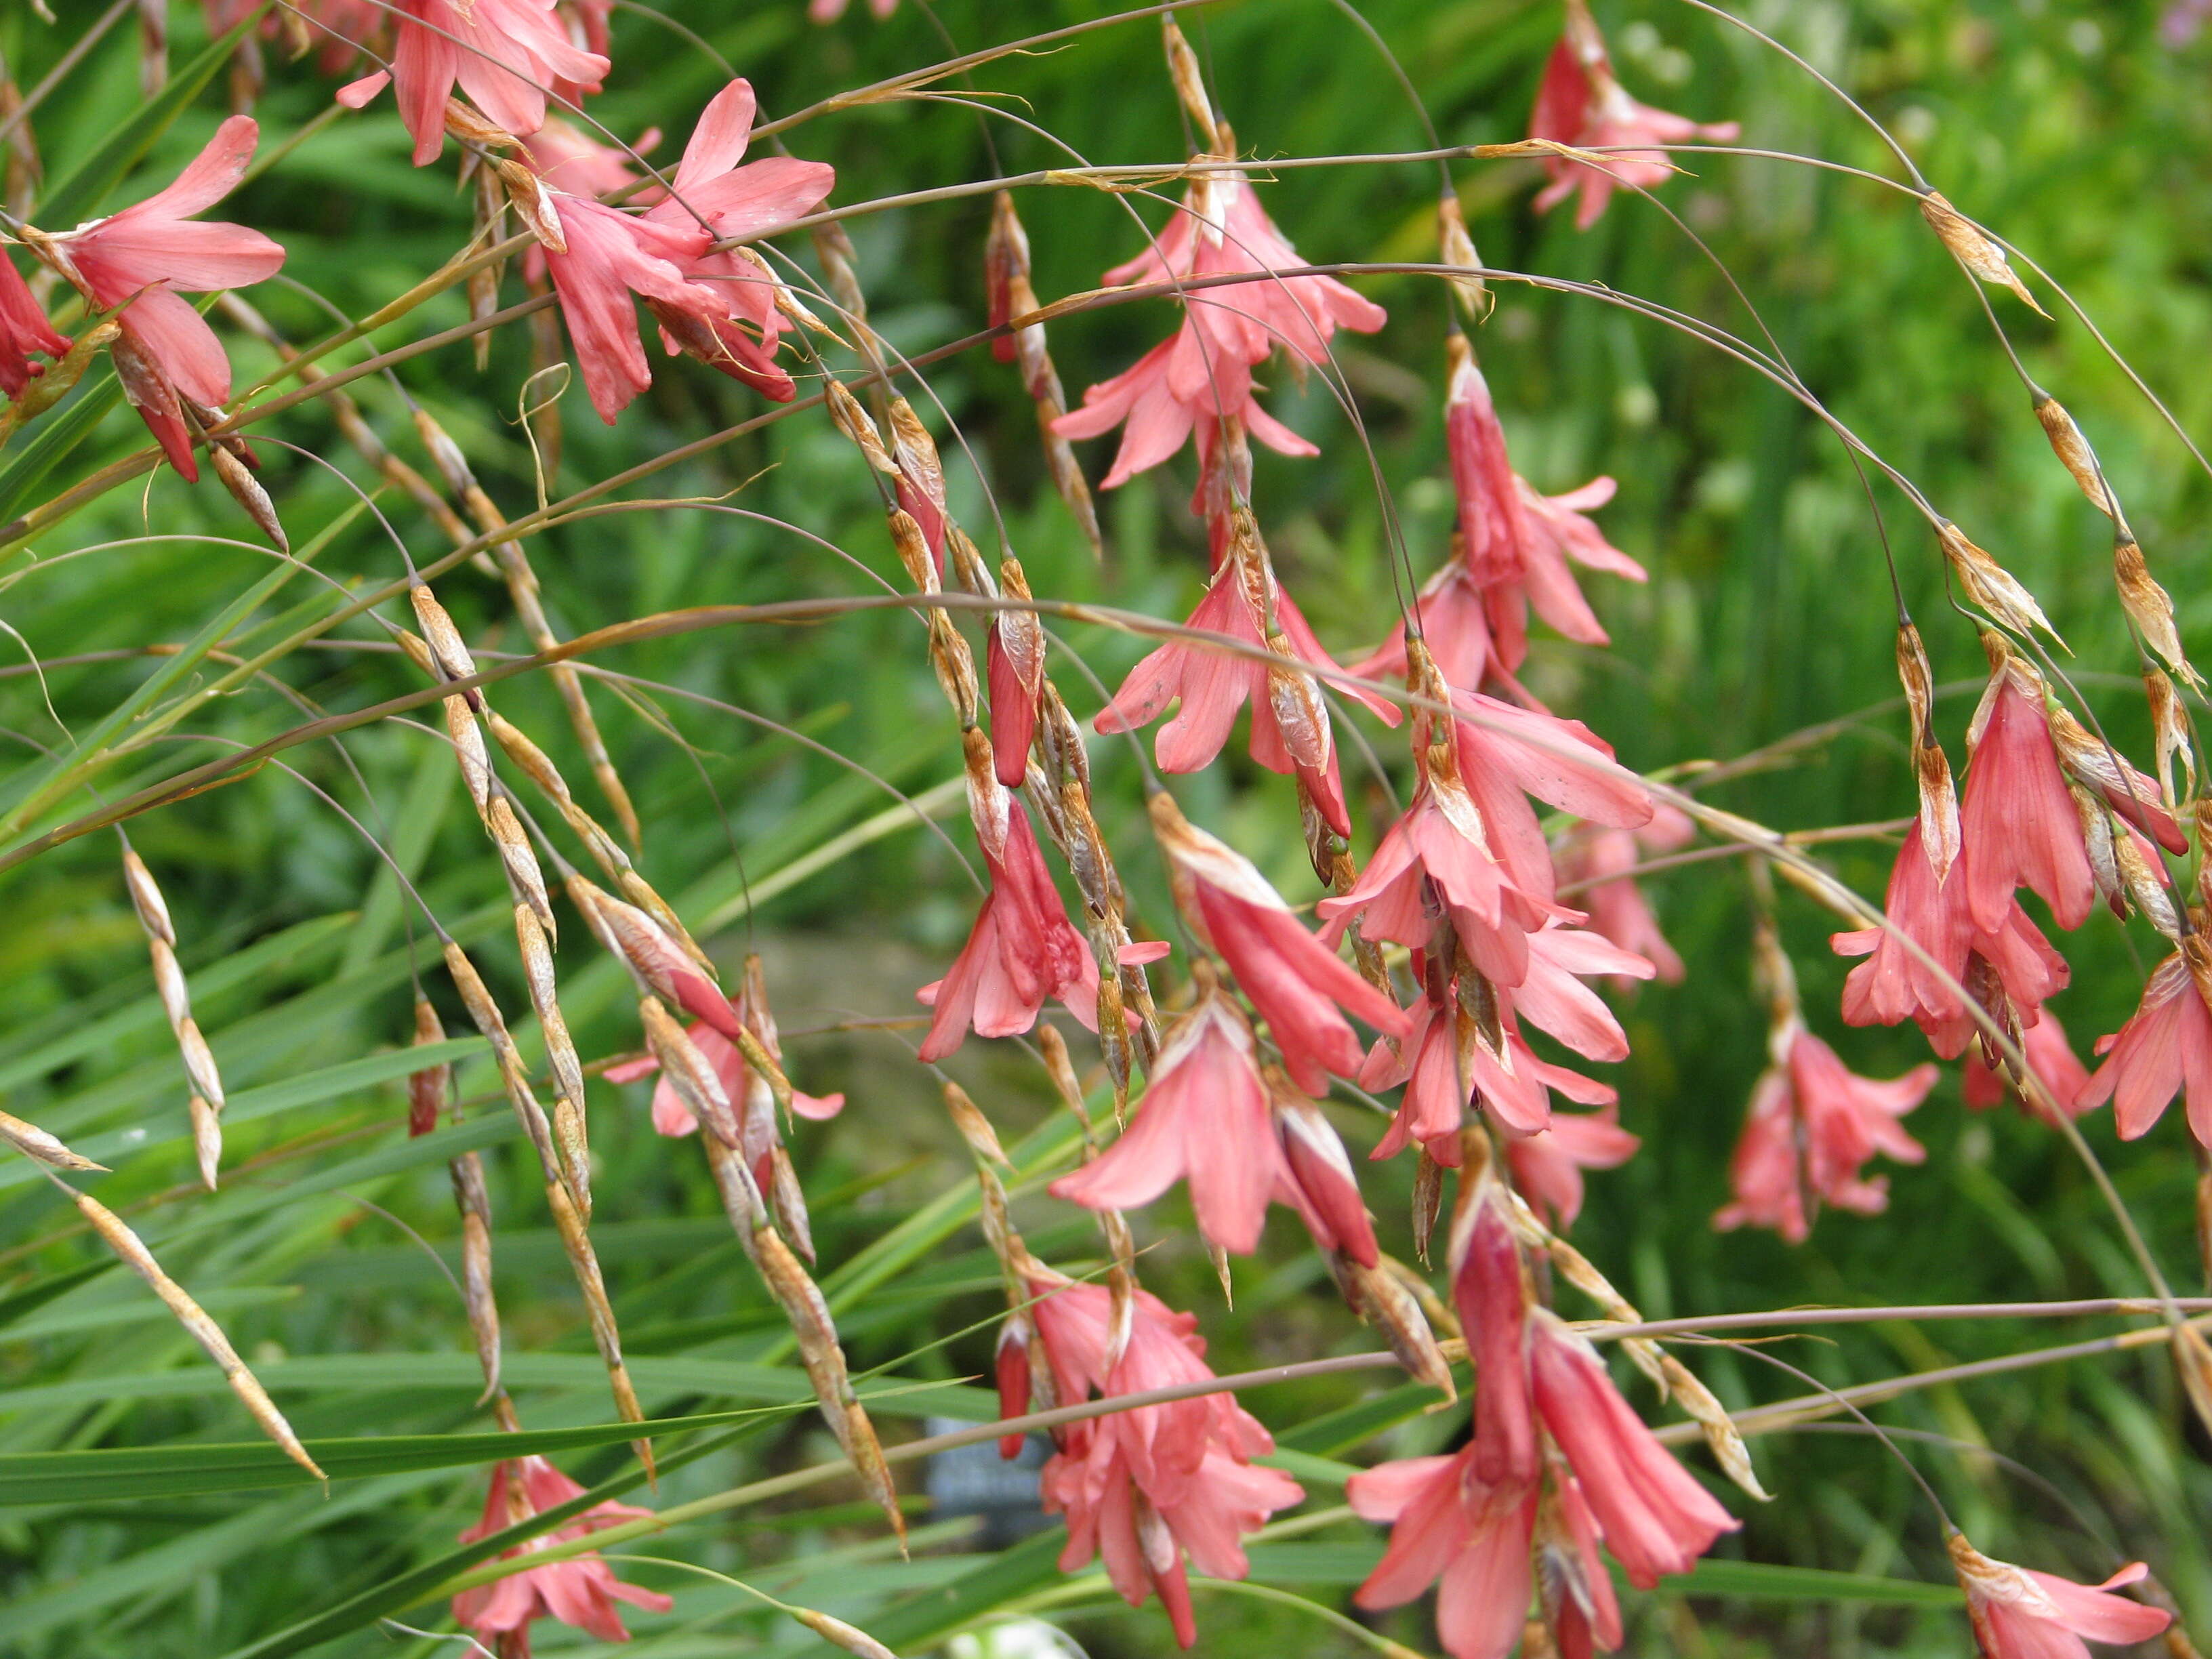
2051, 1058
1507, 752
1200, 378
1813, 1108
1295, 980
152, 253
1445, 1063
572, 161
829, 11
1206, 1117
581, 1590
1211, 686
713, 1037
1469, 1537
1489, 1291
23, 330
1580, 103
1894, 985
1765, 1172
2165, 1047
2017, 824
738, 204
1222, 211
1548, 1166
1457, 627
1655, 1516
2020, 1614
503, 54
1318, 1182
1022, 949
716, 306
1144, 1487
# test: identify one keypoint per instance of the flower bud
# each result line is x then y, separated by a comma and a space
1458, 250
1190, 85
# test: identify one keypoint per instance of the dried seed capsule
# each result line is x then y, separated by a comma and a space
1380, 1301
31, 1141
1939, 800
583, 1262
2148, 606
2075, 456
430, 1088
974, 1129
1991, 585
689, 1071
570, 1133
245, 490
1458, 250
485, 1014
1189, 84
1982, 257
1714, 1423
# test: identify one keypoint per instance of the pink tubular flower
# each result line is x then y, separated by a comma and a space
502, 53
2051, 1058
1144, 1487
1838, 1119
1655, 1518
1581, 105
1491, 1292
1469, 1537
716, 306
1318, 1181
1022, 949
1447, 1060
151, 254
2020, 1614
2015, 963
1294, 980
738, 204
1548, 1166
23, 330
2165, 1047
1763, 1173
1212, 686
580, 1591
1200, 378
2018, 825
1205, 1118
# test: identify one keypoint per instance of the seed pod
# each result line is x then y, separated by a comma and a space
1380, 1301
1991, 585
1939, 800
1982, 257
474, 1203
912, 550
430, 1088
839, 1634
485, 1014
954, 665
203, 1330
916, 452
570, 1133
840, 275
849, 418
583, 1262
491, 216
1428, 1202
2170, 729
532, 202
974, 1129
2076, 457
245, 490
1060, 1067
33, 1142
1714, 1423
444, 639
1189, 84
1458, 250
790, 1200
2148, 606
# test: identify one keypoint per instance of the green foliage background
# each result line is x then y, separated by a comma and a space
2071, 128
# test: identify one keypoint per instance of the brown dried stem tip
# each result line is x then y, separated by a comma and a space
1982, 257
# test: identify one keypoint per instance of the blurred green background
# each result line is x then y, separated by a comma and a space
2073, 129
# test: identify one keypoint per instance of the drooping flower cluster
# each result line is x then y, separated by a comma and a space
1559, 1466
1147, 1487
581, 1590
